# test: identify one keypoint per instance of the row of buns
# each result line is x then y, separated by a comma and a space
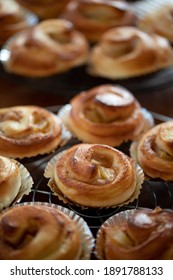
57, 45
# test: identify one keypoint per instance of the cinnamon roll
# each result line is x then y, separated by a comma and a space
37, 232
159, 21
45, 9
15, 181
106, 114
93, 17
13, 19
51, 47
154, 151
27, 131
143, 235
93, 175
128, 52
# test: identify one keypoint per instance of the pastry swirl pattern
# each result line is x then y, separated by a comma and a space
154, 152
146, 234
106, 114
93, 175
38, 232
27, 131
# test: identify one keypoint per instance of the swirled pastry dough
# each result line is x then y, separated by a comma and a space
10, 181
154, 152
27, 131
94, 17
94, 175
106, 114
44, 8
12, 19
146, 234
159, 21
51, 47
128, 52
38, 232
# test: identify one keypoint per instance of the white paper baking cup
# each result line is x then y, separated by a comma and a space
49, 173
87, 238
116, 220
25, 188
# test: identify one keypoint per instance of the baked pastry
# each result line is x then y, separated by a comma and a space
106, 114
159, 21
45, 9
93, 175
128, 52
13, 19
15, 181
154, 151
51, 47
27, 131
94, 17
38, 232
143, 235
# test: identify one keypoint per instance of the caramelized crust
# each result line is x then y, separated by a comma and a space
10, 181
94, 17
128, 52
106, 114
27, 131
45, 9
12, 19
155, 151
94, 175
38, 233
159, 21
147, 234
51, 47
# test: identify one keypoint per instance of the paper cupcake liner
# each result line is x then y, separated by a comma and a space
118, 220
63, 114
25, 188
87, 238
49, 173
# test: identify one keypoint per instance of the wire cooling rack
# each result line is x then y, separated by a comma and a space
154, 193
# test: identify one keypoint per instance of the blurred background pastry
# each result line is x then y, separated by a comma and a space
45, 9
93, 17
129, 52
159, 21
13, 18
139, 235
106, 114
51, 47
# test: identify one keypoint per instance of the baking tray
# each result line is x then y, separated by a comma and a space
154, 193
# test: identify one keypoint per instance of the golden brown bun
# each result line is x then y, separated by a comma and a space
27, 131
155, 151
159, 21
93, 17
106, 114
94, 175
45, 9
38, 232
51, 47
12, 19
10, 181
128, 52
147, 234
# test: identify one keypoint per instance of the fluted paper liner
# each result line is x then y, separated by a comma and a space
49, 173
87, 238
26, 185
118, 220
